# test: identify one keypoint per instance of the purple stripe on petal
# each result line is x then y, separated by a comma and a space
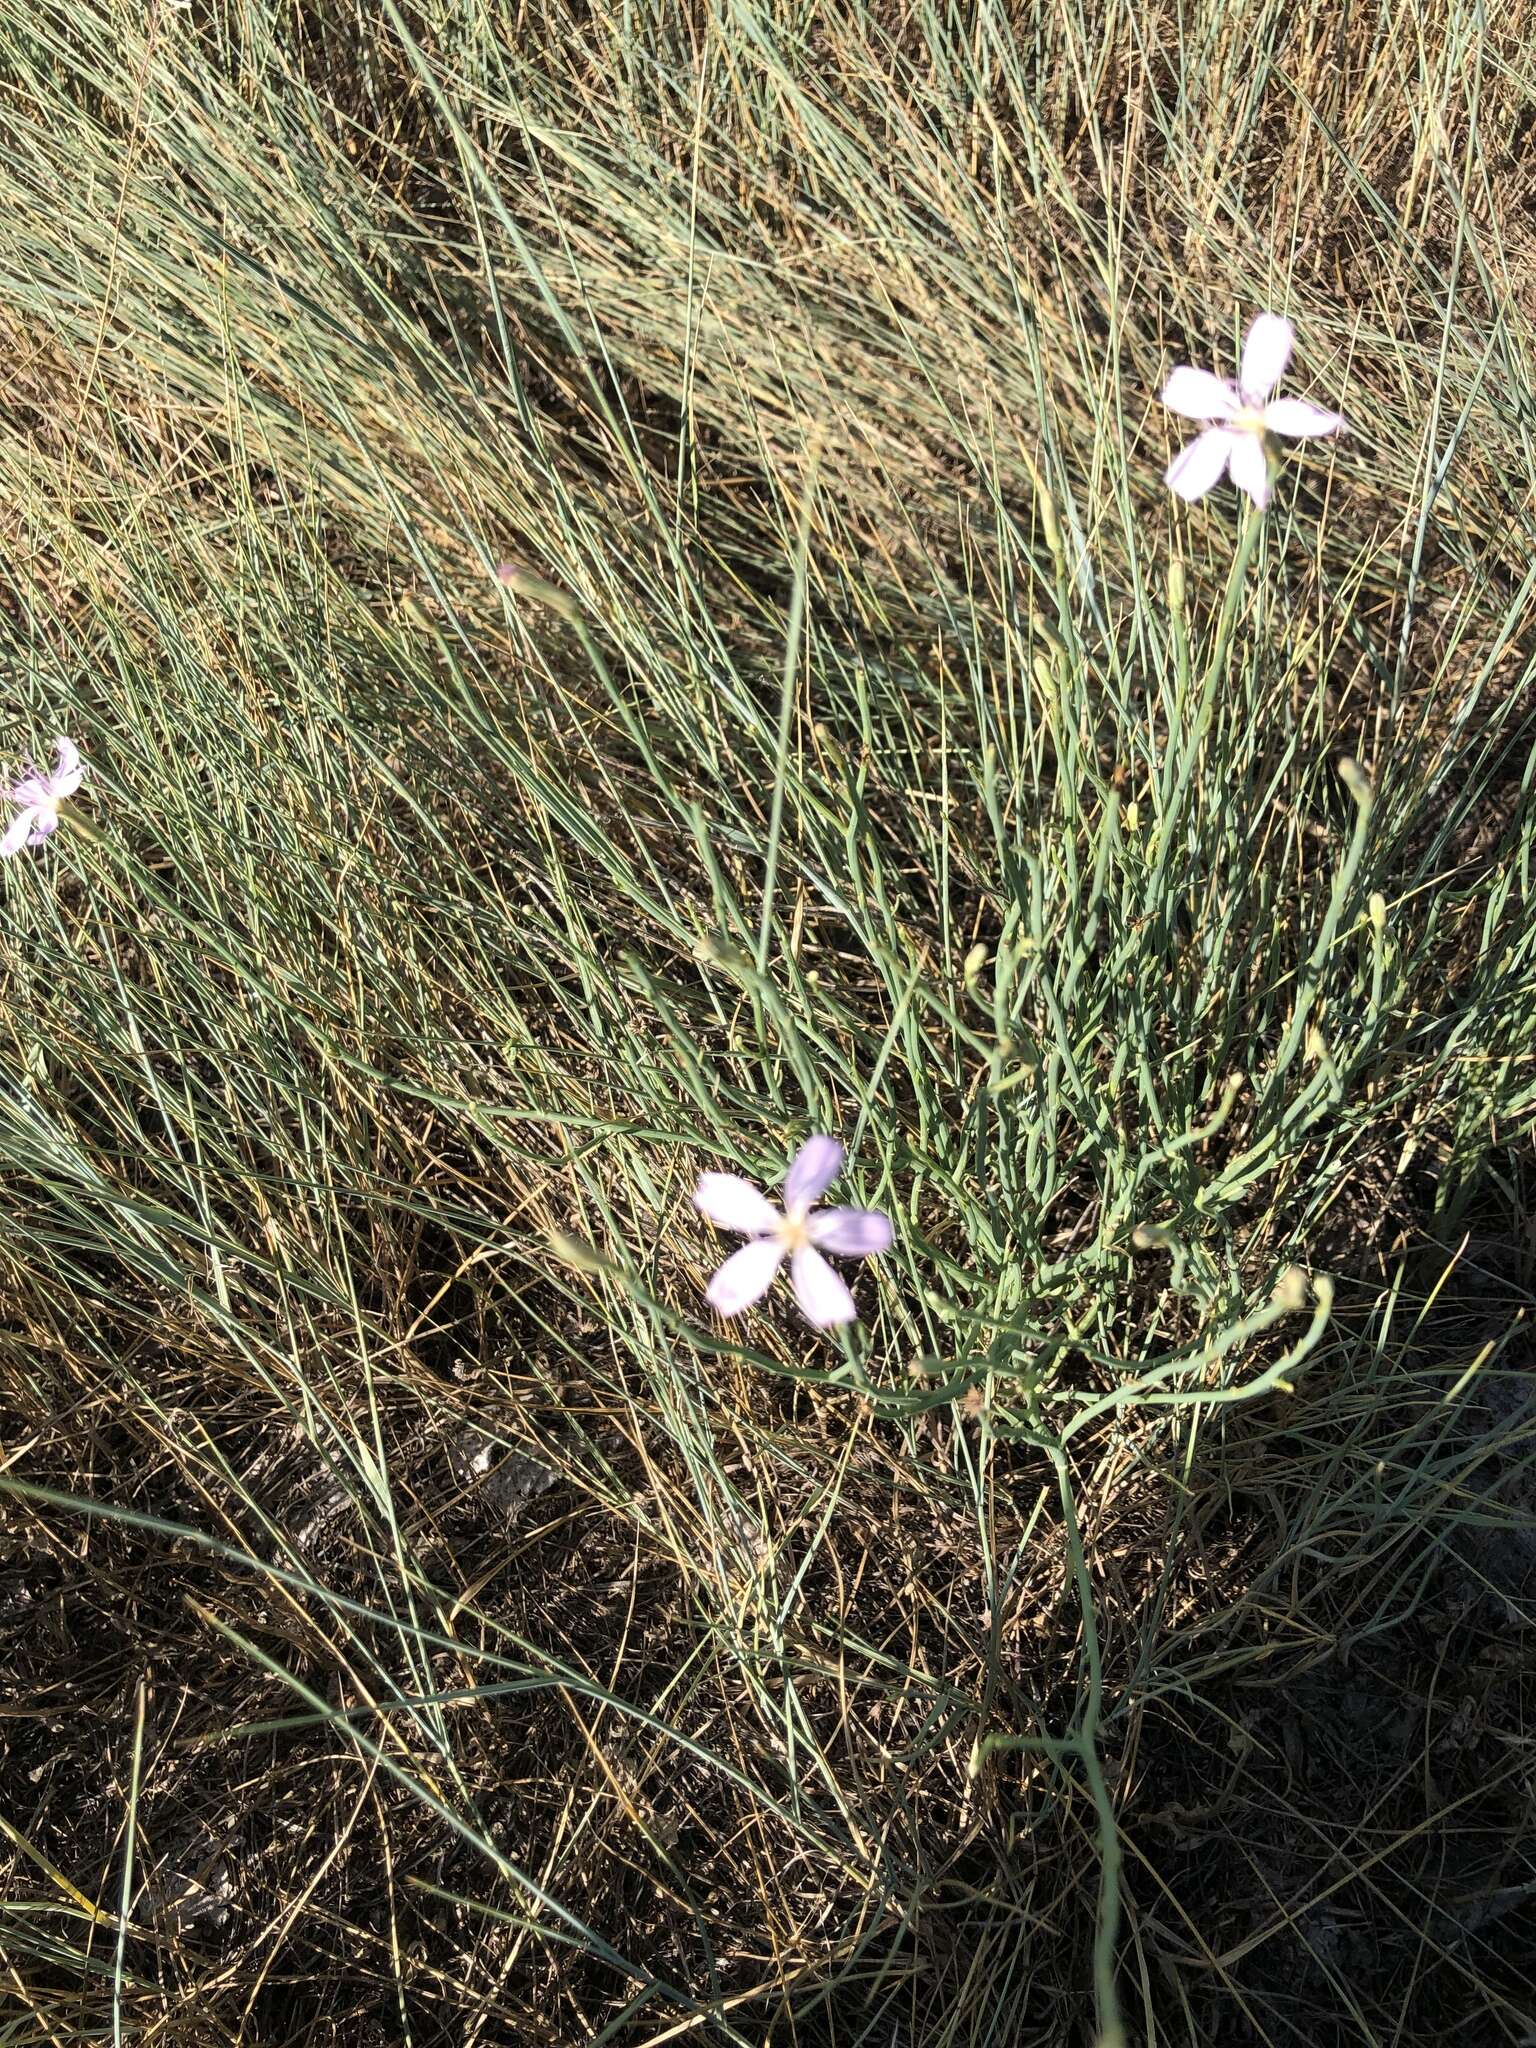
854, 1233
812, 1171
1249, 467
1299, 420
745, 1277
17, 832
1195, 469
1266, 351
1199, 394
823, 1296
733, 1203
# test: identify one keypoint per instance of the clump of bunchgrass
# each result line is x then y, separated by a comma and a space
853, 748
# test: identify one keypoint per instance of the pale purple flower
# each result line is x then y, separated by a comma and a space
40, 796
794, 1232
1238, 416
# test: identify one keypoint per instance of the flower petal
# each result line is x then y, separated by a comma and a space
1196, 468
733, 1203
812, 1171
745, 1277
1199, 394
1295, 417
855, 1233
1266, 351
32, 788
45, 822
1249, 467
823, 1297
67, 771
17, 832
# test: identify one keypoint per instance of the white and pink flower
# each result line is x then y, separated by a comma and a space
40, 795
797, 1232
1239, 416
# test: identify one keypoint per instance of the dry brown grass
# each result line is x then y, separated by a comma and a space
430, 1643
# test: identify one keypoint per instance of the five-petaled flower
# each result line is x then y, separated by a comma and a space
1238, 416
40, 796
793, 1232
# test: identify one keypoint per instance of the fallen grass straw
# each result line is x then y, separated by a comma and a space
426, 1622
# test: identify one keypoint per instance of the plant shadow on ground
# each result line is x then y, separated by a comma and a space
420, 1644
1316, 1652
1338, 1822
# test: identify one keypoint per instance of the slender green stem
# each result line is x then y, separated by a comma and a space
793, 630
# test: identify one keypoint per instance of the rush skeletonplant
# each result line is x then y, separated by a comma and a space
625, 601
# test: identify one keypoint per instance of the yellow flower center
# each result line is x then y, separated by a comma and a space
1248, 419
792, 1232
